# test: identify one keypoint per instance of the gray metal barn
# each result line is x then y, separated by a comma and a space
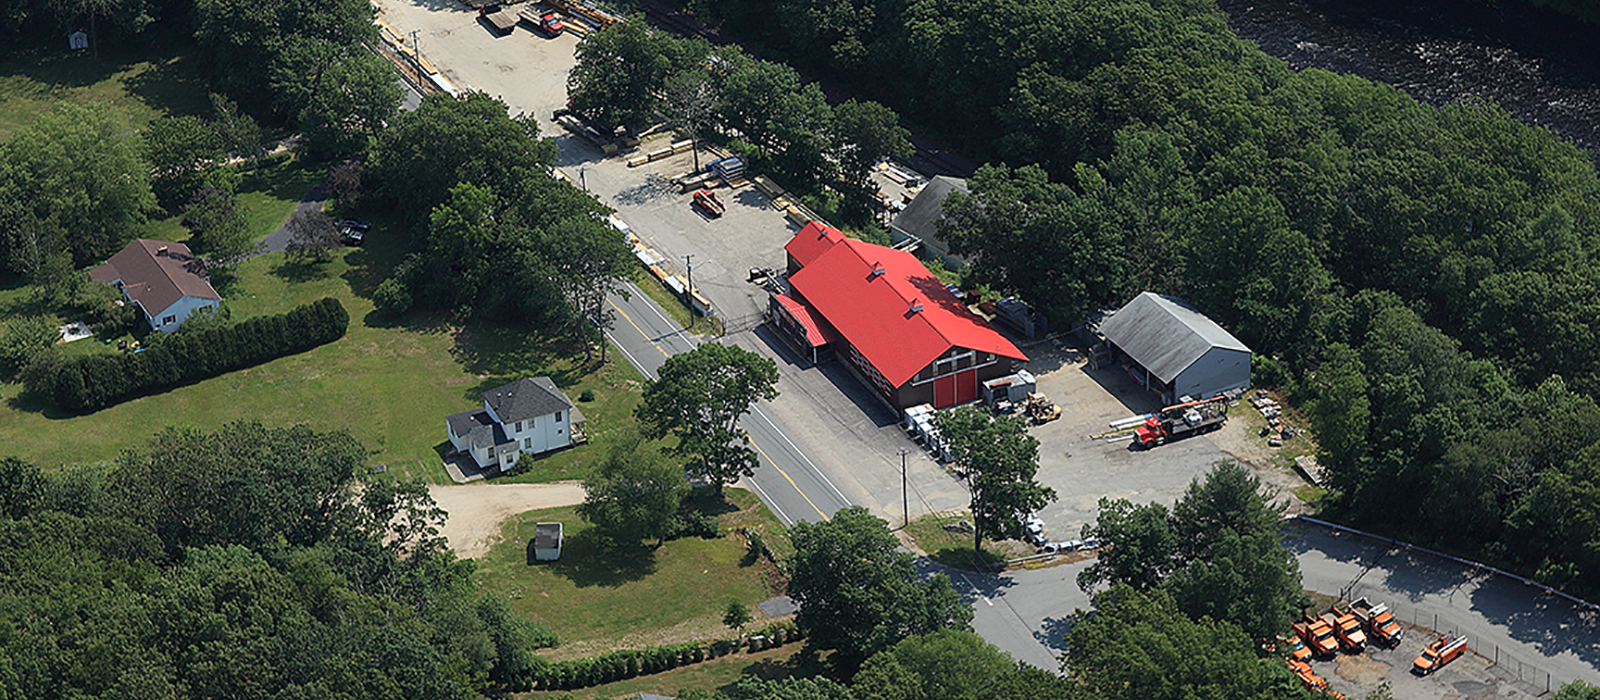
1174, 350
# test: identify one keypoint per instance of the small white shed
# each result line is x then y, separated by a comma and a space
547, 542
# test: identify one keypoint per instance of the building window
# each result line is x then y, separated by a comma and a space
516, 427
558, 416
527, 443
168, 320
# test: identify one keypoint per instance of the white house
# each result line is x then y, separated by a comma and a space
526, 416
164, 280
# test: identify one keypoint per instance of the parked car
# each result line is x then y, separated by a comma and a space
551, 24
353, 231
1092, 543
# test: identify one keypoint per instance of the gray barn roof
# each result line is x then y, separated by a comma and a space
1165, 335
526, 399
921, 217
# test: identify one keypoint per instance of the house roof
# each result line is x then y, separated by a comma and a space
480, 429
1165, 334
895, 312
157, 274
818, 332
526, 399
813, 240
921, 217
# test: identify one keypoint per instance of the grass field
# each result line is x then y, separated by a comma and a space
390, 384
597, 598
156, 78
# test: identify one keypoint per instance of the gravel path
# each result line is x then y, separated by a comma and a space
476, 510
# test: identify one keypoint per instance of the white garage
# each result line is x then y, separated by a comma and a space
1172, 349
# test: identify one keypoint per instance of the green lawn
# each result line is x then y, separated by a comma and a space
954, 549
390, 384
598, 598
145, 82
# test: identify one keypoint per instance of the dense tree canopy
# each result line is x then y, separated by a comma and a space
239, 564
80, 170
859, 594
1216, 552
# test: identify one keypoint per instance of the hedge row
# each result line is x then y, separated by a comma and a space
92, 382
617, 665
608, 668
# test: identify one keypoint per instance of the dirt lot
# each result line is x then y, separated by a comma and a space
476, 510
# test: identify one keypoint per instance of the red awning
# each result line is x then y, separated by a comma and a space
818, 332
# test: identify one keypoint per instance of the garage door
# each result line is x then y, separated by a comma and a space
944, 392
967, 386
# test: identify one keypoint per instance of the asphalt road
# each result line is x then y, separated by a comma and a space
788, 480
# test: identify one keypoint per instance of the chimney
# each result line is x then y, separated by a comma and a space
877, 270
916, 305
161, 252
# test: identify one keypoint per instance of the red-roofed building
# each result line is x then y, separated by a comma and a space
891, 320
163, 279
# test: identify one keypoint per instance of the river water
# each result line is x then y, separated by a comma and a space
1540, 66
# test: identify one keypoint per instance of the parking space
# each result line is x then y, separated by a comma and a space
1082, 469
1472, 675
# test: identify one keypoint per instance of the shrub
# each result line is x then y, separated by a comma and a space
391, 298
24, 339
693, 523
586, 396
95, 381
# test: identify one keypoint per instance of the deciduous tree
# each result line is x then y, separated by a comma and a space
999, 460
859, 593
634, 494
699, 397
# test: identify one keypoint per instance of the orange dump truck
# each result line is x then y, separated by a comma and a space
1318, 635
1347, 627
1379, 621
1438, 654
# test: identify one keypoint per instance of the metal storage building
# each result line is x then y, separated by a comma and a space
1174, 350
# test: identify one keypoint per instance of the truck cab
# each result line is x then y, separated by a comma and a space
1317, 635
1348, 629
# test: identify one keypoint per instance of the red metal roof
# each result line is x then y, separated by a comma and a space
813, 240
818, 332
872, 294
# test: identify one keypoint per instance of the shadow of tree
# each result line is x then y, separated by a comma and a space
805, 664
299, 271
1053, 632
588, 560
173, 85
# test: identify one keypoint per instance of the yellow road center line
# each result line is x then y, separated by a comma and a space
785, 474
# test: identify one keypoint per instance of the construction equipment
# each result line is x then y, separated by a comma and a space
1439, 653
1182, 420
1347, 627
1308, 678
1040, 409
1379, 621
707, 200
1317, 634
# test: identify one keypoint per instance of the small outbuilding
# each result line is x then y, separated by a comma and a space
920, 220
1172, 349
547, 542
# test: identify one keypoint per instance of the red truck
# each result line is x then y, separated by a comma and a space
1182, 420
1379, 621
708, 201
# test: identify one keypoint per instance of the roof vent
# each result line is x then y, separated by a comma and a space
162, 251
877, 269
916, 305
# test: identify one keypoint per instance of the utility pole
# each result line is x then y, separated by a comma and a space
416, 44
905, 500
583, 179
688, 263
